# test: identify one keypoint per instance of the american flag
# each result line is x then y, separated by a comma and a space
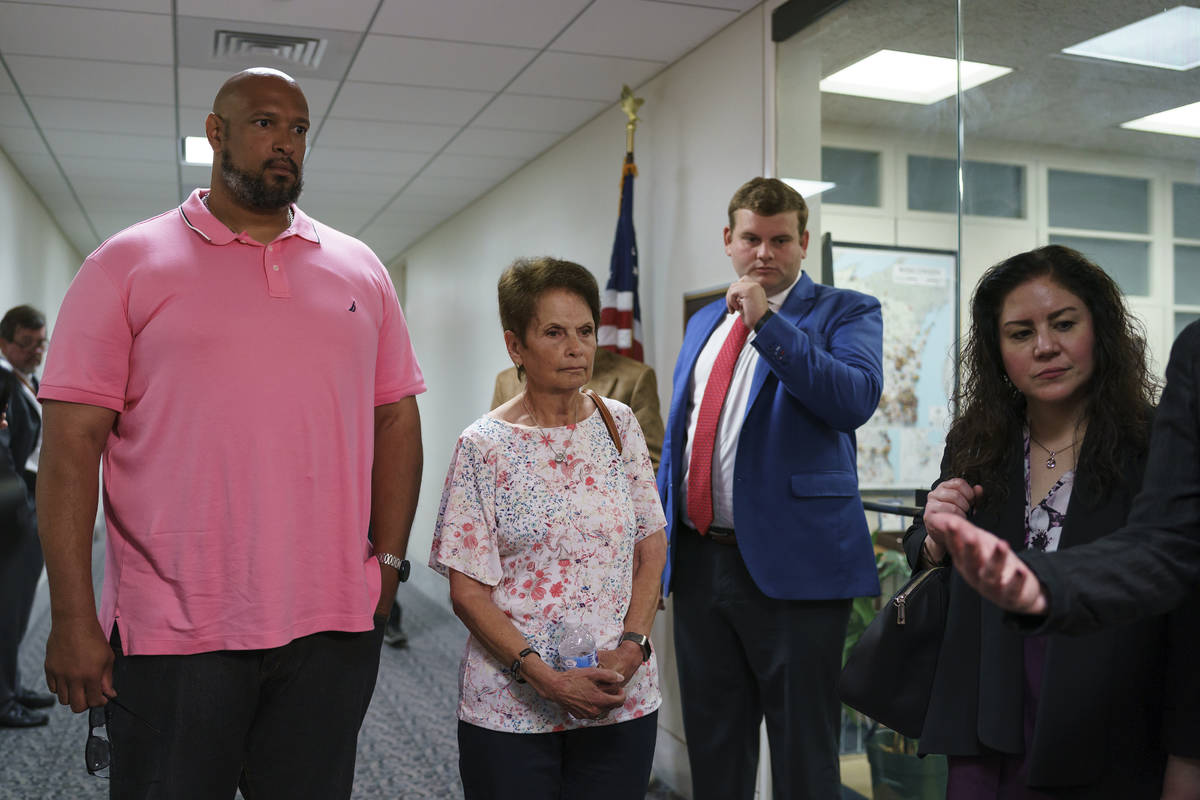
620, 312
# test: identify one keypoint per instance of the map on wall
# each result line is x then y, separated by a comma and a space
901, 446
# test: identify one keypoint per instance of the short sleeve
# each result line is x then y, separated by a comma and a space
88, 361
464, 537
639, 471
397, 373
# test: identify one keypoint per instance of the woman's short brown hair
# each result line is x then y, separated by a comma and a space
523, 283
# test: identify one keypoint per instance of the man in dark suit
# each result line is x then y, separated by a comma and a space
759, 481
22, 344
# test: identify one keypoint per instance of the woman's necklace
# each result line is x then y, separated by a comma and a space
560, 456
1051, 463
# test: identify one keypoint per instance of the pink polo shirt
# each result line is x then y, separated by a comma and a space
237, 480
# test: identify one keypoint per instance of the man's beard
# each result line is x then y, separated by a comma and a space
252, 191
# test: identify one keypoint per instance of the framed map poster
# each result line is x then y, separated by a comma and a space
900, 447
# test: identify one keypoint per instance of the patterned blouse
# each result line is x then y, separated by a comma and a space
554, 539
1044, 521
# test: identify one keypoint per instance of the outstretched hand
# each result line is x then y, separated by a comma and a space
989, 565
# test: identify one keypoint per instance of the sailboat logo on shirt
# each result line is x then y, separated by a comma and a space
353, 305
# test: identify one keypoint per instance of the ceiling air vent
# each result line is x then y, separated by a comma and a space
237, 45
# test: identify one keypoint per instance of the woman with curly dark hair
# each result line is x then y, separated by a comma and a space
1047, 449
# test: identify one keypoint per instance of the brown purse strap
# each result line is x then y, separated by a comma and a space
608, 418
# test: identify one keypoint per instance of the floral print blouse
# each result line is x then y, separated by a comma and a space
1044, 521
555, 540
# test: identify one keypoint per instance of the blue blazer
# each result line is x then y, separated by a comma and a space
800, 524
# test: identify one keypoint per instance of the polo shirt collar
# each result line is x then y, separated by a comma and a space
202, 222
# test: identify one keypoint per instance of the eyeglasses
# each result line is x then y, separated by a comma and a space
36, 344
97, 753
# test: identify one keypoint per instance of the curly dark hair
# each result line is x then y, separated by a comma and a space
990, 412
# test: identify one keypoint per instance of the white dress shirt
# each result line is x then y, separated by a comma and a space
729, 427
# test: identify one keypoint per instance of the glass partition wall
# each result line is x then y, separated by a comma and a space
942, 136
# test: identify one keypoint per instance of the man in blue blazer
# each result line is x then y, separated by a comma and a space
768, 537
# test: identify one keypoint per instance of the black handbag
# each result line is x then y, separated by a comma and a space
889, 673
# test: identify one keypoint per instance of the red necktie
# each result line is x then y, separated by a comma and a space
699, 499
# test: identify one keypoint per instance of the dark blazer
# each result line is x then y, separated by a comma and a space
1101, 728
17, 515
800, 524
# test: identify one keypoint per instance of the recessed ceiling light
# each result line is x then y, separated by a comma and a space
197, 150
1168, 40
908, 77
808, 189
1181, 121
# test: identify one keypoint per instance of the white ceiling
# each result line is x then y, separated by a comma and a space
418, 106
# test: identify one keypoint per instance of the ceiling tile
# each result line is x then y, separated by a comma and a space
60, 32
521, 23
640, 29
411, 136
459, 166
197, 36
378, 161
410, 206
194, 176
113, 145
198, 87
109, 117
440, 186
733, 5
147, 6
17, 141
13, 112
526, 112
351, 15
93, 80
476, 141
151, 200
377, 101
587, 77
317, 181
450, 65
110, 169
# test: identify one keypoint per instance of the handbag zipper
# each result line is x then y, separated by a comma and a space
900, 599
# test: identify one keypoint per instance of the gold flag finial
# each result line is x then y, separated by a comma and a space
630, 105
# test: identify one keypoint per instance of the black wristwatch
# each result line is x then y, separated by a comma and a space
400, 565
641, 640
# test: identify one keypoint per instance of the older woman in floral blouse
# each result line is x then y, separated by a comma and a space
545, 521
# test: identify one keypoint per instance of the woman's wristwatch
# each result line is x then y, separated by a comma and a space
641, 640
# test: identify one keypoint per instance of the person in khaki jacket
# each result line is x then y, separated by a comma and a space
615, 376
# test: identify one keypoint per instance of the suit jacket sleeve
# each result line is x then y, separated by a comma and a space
17, 516
840, 383
1153, 563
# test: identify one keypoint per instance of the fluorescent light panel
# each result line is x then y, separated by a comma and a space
197, 150
908, 77
1181, 121
1168, 40
808, 188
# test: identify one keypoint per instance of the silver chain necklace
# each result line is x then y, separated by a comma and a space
204, 199
560, 456
1051, 463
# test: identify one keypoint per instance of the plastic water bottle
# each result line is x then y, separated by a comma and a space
576, 648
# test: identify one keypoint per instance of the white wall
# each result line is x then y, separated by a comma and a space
37, 262
702, 135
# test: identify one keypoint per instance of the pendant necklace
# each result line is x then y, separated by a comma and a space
560, 456
1051, 463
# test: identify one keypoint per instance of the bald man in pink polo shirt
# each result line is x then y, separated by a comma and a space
245, 375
